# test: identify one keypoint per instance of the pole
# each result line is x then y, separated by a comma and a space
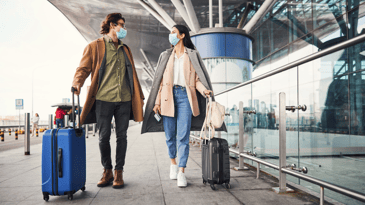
27, 134
220, 13
210, 13
241, 143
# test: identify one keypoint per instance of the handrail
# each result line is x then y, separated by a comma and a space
333, 187
15, 126
301, 61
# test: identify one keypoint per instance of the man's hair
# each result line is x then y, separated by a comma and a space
110, 18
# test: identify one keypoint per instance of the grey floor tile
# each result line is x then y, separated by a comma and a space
136, 198
219, 197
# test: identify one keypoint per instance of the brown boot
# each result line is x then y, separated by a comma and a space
106, 179
118, 180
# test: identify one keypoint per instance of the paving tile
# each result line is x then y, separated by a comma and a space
218, 197
135, 198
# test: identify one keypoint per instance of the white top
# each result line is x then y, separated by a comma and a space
35, 120
179, 70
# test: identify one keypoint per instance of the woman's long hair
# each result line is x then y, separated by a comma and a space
186, 40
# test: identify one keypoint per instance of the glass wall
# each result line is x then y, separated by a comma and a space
227, 72
329, 137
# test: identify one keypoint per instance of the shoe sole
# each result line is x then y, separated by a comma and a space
106, 184
118, 187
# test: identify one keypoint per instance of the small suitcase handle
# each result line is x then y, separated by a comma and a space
73, 107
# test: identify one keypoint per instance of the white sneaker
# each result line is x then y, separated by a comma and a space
173, 171
181, 180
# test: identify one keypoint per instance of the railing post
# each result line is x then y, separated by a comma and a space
50, 121
321, 199
282, 145
241, 143
27, 134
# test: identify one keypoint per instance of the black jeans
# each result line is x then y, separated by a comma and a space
104, 114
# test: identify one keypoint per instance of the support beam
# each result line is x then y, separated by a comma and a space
162, 13
148, 61
220, 5
192, 16
262, 11
244, 16
210, 13
182, 11
148, 72
155, 14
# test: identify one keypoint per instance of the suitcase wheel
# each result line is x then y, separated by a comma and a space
70, 196
45, 197
204, 182
83, 188
213, 187
227, 185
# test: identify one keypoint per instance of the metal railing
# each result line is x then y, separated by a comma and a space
283, 168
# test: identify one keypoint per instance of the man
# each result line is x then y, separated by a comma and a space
60, 114
114, 91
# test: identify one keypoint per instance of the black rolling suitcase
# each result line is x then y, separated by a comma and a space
215, 161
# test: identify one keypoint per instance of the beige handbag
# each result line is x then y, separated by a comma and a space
214, 118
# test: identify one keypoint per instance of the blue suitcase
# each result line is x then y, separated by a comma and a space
63, 161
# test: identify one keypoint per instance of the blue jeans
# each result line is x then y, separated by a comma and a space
178, 128
60, 123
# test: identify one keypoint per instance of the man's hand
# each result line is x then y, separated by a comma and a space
157, 108
77, 89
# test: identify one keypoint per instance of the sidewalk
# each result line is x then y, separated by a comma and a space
146, 176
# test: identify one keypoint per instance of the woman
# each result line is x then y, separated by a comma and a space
35, 123
180, 73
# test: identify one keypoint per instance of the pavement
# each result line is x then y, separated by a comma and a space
146, 176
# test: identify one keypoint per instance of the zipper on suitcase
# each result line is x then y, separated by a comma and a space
56, 136
52, 144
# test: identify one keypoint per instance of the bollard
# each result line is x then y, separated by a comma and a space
36, 132
27, 134
16, 134
9, 132
87, 131
94, 129
2, 135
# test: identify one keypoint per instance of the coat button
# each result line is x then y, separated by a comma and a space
166, 99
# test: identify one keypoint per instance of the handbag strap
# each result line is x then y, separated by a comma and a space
207, 120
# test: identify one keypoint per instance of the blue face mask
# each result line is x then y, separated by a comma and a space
174, 39
122, 33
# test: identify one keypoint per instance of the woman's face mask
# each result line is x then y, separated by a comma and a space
173, 39
122, 33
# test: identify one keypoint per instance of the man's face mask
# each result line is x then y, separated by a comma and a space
122, 33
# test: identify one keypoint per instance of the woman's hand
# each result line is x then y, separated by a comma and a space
157, 108
207, 92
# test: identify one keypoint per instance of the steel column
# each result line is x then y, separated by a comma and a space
155, 14
210, 13
27, 134
192, 16
182, 11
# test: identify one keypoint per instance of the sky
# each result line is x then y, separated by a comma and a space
37, 45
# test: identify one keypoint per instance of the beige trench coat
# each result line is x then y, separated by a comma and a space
165, 94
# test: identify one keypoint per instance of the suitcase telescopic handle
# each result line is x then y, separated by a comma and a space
59, 163
73, 107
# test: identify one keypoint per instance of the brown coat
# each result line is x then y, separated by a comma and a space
165, 97
93, 62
